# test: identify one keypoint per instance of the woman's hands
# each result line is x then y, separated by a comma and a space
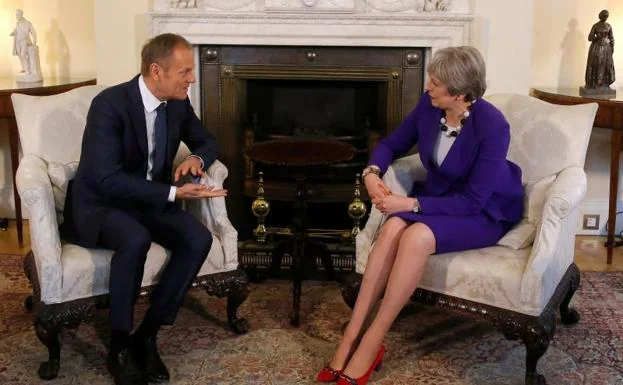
382, 196
376, 187
393, 203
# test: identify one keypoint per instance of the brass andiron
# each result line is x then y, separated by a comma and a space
356, 210
260, 208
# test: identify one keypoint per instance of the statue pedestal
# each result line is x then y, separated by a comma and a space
28, 78
599, 91
34, 67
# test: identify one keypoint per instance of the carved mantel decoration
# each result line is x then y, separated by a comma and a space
388, 23
322, 5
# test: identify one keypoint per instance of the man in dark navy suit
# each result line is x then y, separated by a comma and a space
123, 197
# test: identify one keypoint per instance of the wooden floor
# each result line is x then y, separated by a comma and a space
590, 253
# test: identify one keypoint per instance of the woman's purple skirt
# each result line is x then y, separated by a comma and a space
460, 233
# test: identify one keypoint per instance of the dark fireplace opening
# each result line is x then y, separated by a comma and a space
312, 107
347, 111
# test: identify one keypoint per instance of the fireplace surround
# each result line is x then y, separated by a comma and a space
254, 93
246, 48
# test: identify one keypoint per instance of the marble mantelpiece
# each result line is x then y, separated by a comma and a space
397, 23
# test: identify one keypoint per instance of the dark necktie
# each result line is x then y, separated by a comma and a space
160, 148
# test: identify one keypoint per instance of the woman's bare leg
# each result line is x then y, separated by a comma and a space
374, 280
416, 244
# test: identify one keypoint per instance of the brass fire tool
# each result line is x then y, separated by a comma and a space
260, 208
356, 210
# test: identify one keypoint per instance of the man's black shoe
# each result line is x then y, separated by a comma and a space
145, 353
124, 369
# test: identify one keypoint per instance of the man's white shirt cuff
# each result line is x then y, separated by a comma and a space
172, 194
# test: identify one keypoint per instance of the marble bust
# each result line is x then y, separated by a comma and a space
25, 47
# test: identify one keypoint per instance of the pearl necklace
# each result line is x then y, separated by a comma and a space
444, 127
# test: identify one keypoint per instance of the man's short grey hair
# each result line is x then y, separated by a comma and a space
462, 70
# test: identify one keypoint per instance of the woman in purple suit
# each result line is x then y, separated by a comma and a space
471, 197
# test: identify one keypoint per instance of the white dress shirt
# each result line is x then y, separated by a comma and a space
150, 103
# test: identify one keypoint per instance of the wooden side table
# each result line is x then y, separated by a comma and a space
8, 86
609, 115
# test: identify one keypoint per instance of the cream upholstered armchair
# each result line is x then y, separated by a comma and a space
69, 281
518, 284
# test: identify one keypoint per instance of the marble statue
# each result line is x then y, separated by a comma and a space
600, 64
25, 47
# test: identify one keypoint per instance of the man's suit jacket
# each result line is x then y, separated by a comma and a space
113, 163
474, 177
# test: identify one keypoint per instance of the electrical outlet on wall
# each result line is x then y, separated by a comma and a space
590, 222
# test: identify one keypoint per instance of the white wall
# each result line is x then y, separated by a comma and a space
66, 40
65, 36
560, 40
559, 53
119, 36
502, 32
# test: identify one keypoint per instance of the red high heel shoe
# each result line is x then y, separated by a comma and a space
328, 374
363, 380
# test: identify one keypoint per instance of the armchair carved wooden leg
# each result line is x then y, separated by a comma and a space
235, 285
570, 316
48, 333
536, 346
536, 335
235, 298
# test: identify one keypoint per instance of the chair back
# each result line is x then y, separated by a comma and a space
545, 138
51, 127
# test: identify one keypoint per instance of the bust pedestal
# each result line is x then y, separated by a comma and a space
599, 91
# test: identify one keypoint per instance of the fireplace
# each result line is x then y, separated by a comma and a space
253, 53
256, 93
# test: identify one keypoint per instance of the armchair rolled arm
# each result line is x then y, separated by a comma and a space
212, 213
399, 178
568, 190
217, 172
402, 172
35, 189
552, 252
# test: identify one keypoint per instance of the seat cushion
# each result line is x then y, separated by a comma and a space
491, 276
86, 271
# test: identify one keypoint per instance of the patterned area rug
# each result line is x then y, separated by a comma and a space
425, 346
